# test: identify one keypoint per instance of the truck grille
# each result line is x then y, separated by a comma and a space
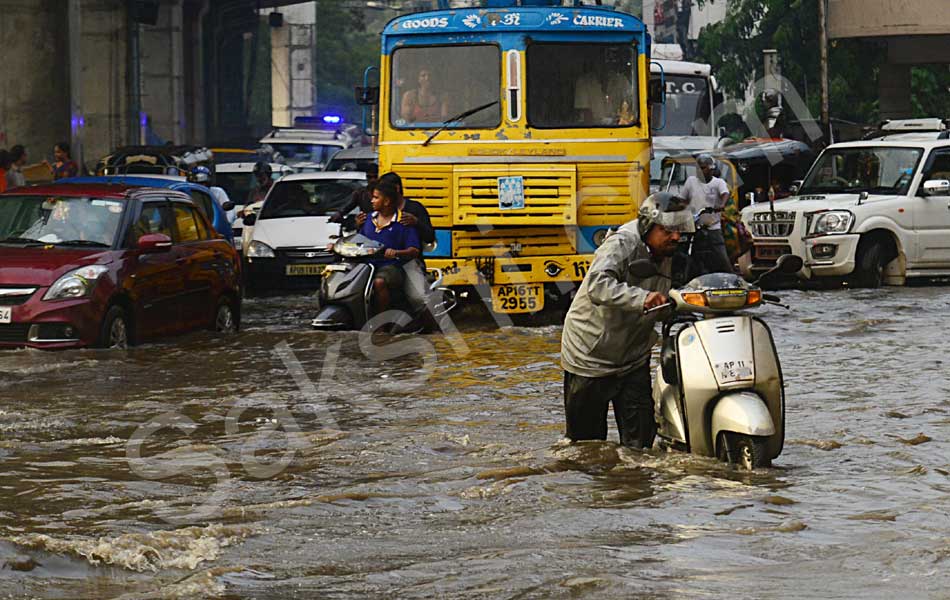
541, 241
608, 194
549, 195
432, 186
764, 226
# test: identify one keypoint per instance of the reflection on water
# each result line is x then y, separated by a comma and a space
283, 462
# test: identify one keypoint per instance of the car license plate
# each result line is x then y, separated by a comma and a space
517, 298
6, 314
297, 270
771, 252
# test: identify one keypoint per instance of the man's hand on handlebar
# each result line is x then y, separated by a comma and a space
654, 300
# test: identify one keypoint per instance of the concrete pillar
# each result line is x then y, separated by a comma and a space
894, 92
34, 95
162, 74
293, 86
103, 77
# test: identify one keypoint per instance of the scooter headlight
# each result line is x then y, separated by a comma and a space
727, 299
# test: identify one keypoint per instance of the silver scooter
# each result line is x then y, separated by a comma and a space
718, 389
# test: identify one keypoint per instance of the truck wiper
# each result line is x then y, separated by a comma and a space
458, 117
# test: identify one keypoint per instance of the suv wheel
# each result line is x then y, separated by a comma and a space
869, 268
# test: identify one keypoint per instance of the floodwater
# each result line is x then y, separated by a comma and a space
282, 462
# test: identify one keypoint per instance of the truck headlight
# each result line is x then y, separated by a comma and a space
834, 221
260, 250
75, 284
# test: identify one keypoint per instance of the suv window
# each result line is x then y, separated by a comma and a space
939, 167
186, 223
152, 219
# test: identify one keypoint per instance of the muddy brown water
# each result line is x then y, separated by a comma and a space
283, 462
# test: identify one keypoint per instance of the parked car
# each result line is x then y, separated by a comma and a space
288, 250
201, 195
871, 212
110, 265
237, 179
357, 158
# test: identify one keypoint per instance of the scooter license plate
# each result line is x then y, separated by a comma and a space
731, 371
297, 270
517, 297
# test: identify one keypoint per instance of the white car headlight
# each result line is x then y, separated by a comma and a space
75, 284
835, 221
260, 250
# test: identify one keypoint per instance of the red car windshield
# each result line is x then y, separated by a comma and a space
60, 220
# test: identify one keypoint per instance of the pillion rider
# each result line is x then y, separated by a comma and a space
607, 337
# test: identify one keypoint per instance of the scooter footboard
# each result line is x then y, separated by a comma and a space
742, 412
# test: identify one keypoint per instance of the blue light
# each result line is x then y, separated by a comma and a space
332, 119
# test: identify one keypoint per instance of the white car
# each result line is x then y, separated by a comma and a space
237, 179
871, 212
288, 249
308, 149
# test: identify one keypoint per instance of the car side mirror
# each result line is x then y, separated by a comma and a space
644, 268
795, 186
227, 206
153, 243
250, 219
936, 187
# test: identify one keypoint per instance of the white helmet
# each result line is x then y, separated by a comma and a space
667, 210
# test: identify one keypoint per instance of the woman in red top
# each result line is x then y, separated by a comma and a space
422, 105
64, 166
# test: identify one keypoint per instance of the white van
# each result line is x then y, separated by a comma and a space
288, 248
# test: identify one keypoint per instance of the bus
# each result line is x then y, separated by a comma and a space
523, 127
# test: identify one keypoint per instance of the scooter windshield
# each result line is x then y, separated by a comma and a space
357, 245
718, 281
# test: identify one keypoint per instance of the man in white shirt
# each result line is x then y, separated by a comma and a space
707, 191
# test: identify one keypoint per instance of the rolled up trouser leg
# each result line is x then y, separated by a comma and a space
709, 253
633, 409
585, 407
415, 287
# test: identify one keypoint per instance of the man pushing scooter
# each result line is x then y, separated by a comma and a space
607, 337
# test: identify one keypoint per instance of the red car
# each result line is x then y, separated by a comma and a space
109, 266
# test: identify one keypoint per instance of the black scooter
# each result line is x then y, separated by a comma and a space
346, 294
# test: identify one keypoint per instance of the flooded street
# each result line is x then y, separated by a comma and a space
282, 462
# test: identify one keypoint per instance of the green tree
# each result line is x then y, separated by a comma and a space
347, 42
734, 48
930, 91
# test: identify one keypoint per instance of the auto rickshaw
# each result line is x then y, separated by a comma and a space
155, 160
755, 170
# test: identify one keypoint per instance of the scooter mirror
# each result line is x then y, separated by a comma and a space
644, 268
789, 264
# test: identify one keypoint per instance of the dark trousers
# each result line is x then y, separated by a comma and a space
586, 400
709, 253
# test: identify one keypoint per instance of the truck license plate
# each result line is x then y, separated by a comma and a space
295, 270
6, 314
517, 297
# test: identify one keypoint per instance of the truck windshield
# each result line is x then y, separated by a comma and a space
582, 85
432, 83
687, 106
878, 170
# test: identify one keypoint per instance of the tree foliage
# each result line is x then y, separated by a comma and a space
734, 48
348, 41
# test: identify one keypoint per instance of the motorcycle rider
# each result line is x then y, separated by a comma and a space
607, 338
708, 191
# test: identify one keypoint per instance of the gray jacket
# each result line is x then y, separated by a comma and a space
605, 332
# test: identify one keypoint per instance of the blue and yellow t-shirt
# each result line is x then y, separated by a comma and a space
395, 235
